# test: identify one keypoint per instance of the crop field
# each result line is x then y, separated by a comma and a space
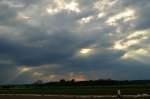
76, 90
60, 97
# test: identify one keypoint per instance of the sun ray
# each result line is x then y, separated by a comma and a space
140, 55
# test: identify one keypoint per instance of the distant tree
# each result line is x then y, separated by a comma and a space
72, 80
62, 80
38, 82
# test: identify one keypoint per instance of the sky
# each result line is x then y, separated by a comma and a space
51, 40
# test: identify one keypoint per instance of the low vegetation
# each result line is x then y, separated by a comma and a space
98, 87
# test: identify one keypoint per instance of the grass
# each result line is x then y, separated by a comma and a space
77, 90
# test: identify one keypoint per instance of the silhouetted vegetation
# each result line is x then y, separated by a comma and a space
98, 82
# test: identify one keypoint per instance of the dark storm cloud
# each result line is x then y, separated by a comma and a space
32, 37
7, 14
40, 48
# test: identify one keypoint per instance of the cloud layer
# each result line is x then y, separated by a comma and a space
74, 39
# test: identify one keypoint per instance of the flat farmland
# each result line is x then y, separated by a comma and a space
77, 90
62, 97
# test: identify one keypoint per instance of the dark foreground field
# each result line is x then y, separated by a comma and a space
97, 87
78, 90
61, 97
100, 88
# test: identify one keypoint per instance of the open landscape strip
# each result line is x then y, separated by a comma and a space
80, 96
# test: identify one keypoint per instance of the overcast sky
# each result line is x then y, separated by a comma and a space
74, 39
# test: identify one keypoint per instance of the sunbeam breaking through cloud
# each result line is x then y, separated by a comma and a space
68, 39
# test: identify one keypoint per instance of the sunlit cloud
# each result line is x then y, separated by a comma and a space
73, 6
85, 20
102, 5
85, 51
100, 15
126, 56
119, 46
132, 39
37, 74
59, 5
137, 54
24, 69
127, 15
139, 34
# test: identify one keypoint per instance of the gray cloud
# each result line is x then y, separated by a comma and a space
32, 37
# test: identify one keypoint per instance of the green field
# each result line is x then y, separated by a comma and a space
76, 90
57, 97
